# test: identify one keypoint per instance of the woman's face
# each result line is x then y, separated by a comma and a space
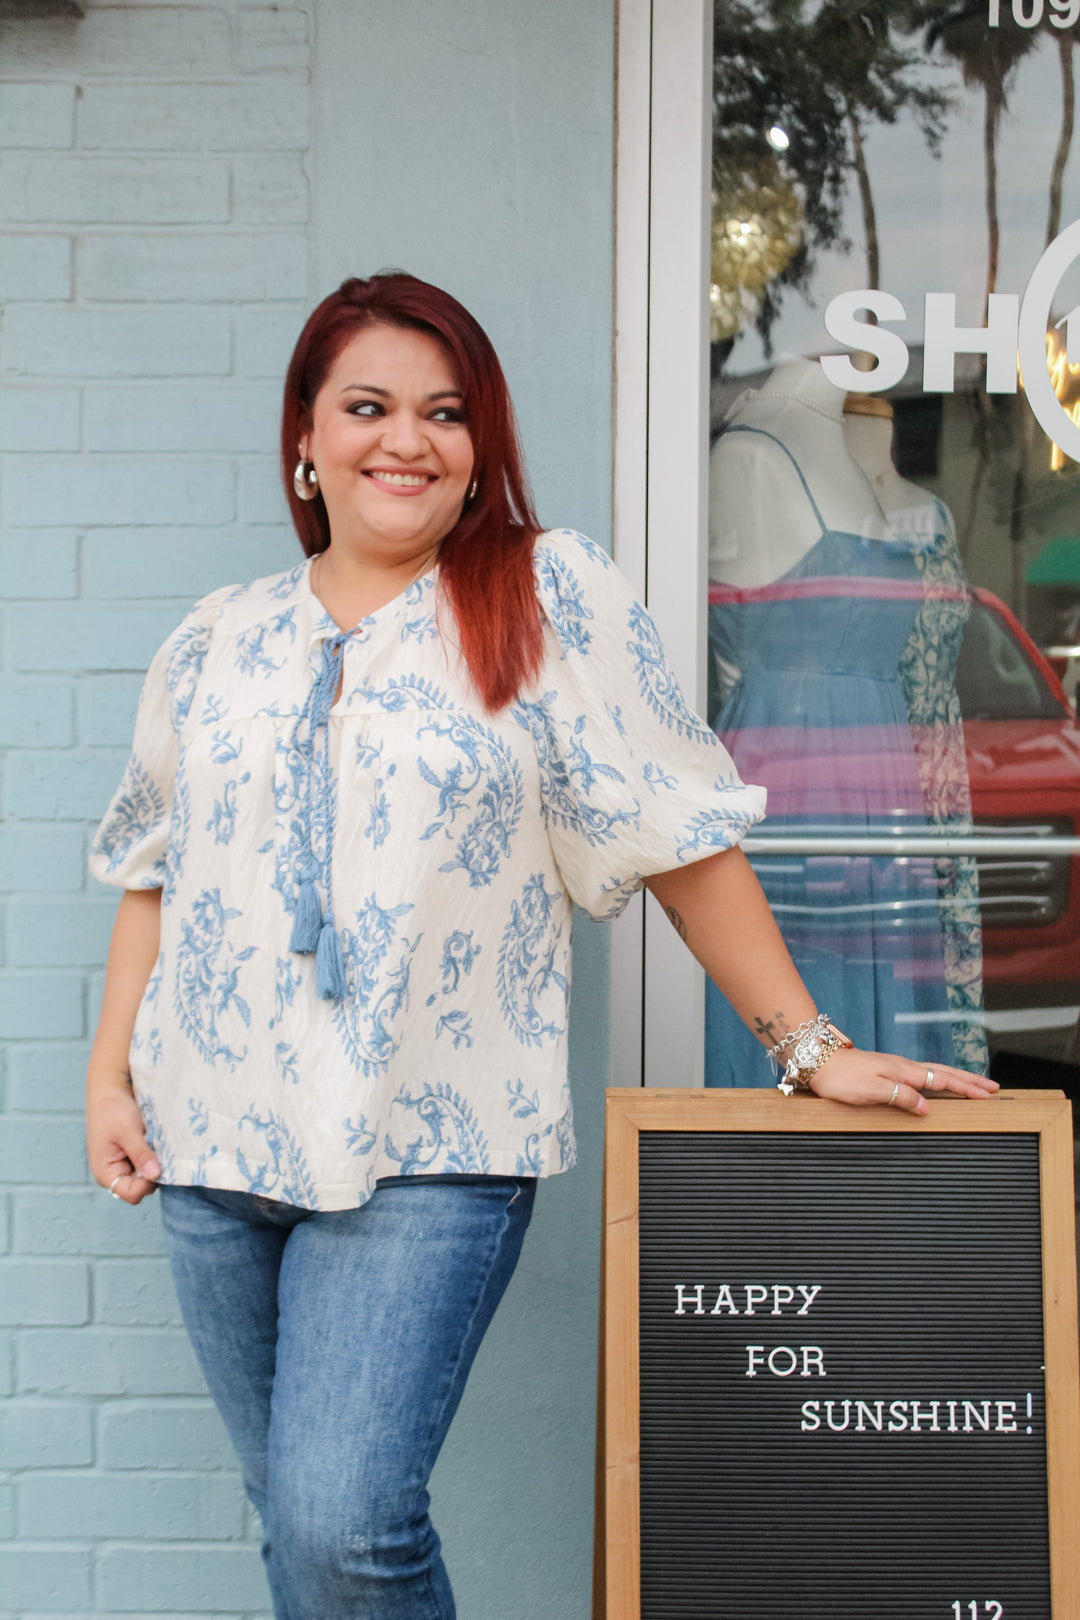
390, 444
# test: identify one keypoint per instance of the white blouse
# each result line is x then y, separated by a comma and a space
443, 847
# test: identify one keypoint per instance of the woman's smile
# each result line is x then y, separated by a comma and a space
413, 482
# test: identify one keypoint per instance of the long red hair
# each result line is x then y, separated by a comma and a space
485, 562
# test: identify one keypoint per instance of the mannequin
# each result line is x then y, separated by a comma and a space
927, 670
867, 428
760, 522
815, 597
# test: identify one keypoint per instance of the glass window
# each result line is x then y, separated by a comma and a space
894, 514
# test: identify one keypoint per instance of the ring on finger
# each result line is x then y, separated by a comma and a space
928, 1083
112, 1185
895, 1094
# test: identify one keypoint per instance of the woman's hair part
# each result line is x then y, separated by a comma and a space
485, 561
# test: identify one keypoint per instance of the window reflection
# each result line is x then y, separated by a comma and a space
895, 577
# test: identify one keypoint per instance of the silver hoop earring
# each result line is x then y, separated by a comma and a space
305, 480
473, 487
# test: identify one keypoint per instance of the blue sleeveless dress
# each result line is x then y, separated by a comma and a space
818, 716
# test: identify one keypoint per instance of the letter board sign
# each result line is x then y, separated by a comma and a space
840, 1360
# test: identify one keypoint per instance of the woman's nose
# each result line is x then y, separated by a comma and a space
405, 435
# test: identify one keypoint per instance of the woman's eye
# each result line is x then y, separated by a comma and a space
448, 413
366, 407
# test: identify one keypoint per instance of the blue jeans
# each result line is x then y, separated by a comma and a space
336, 1346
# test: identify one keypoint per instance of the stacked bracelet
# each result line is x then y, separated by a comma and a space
814, 1043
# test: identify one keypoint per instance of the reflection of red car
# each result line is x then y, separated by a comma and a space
1023, 753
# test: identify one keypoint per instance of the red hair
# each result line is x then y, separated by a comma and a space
485, 562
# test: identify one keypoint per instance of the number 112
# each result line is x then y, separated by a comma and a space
991, 1609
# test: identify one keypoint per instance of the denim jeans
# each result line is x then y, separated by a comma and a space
336, 1346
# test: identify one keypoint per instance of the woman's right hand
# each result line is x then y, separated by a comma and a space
116, 1143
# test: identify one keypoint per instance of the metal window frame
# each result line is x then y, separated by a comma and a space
660, 488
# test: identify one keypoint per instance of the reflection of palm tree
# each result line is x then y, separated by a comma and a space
856, 44
988, 59
1066, 39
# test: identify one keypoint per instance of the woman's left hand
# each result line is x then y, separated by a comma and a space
866, 1078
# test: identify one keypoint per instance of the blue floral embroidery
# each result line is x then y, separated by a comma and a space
183, 666
287, 583
199, 1174
520, 1105
563, 602
136, 810
458, 1025
222, 821
452, 1134
285, 1172
655, 776
179, 830
288, 1062
199, 1116
286, 983
225, 748
589, 547
369, 758
615, 714
376, 993
358, 1139
425, 627
711, 829
527, 971
459, 954
295, 797
251, 653
207, 975
657, 683
403, 692
485, 780
530, 1162
566, 782
214, 710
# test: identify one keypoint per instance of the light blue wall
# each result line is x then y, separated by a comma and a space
181, 182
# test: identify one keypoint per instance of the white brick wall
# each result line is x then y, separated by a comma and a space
154, 204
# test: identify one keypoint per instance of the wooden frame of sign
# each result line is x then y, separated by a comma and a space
923, 1529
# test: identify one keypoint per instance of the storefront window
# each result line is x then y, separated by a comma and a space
894, 513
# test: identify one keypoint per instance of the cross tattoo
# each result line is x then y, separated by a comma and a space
768, 1029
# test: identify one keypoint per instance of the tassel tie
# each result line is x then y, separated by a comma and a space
313, 928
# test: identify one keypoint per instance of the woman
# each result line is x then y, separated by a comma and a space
361, 799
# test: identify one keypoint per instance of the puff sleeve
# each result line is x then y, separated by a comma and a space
129, 847
633, 782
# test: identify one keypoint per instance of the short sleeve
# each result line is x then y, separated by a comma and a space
130, 845
633, 782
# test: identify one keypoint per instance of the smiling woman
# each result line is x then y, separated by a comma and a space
363, 799
441, 401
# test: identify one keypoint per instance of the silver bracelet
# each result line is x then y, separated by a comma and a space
814, 1049
820, 1021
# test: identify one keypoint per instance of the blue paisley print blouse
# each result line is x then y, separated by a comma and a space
449, 844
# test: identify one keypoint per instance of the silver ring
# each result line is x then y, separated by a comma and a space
112, 1184
928, 1083
895, 1094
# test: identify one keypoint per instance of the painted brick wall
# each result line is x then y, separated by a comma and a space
154, 271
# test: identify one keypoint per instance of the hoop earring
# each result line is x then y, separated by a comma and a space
471, 496
305, 480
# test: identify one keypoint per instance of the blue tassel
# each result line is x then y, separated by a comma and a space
307, 919
329, 965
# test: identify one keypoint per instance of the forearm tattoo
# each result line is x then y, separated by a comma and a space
771, 1030
676, 922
